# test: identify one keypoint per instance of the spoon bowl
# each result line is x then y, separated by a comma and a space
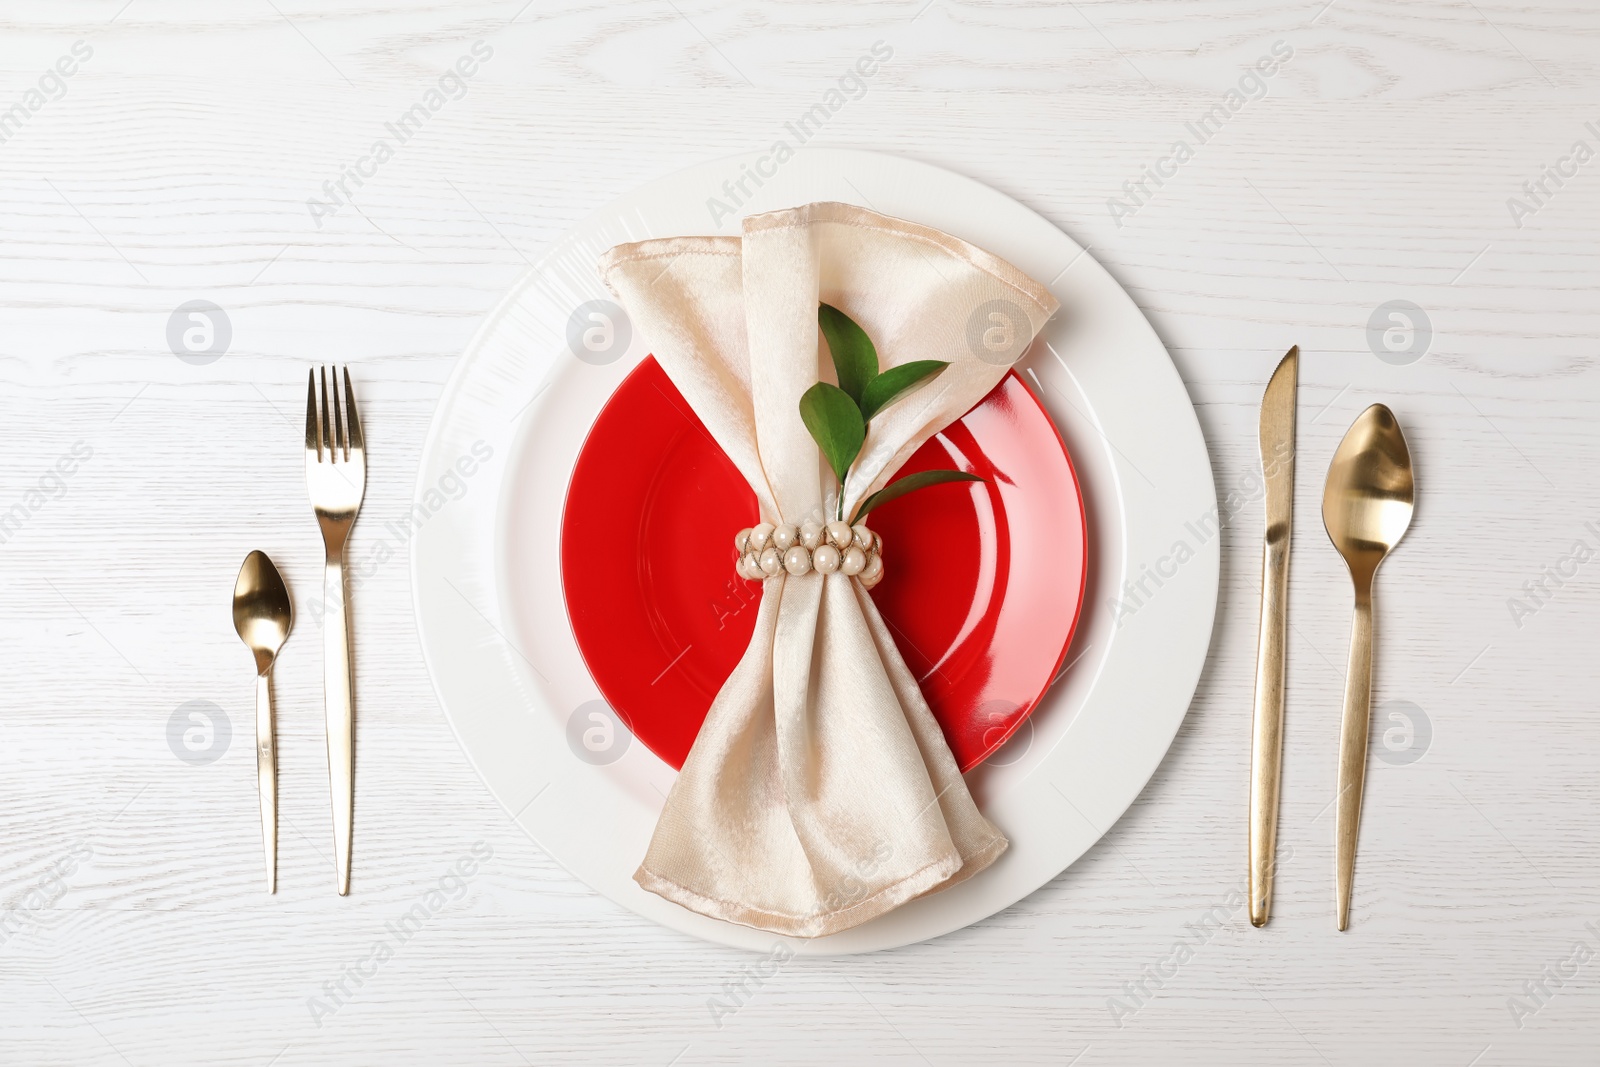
1366, 508
1367, 504
262, 612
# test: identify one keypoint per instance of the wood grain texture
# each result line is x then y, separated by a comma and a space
177, 164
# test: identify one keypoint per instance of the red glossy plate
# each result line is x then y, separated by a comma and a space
982, 585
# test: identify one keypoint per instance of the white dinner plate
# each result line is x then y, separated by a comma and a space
486, 564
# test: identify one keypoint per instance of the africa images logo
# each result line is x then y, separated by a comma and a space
1252, 85
51, 86
452, 85
851, 86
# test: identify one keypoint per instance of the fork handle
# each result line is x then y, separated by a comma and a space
267, 777
1353, 752
340, 705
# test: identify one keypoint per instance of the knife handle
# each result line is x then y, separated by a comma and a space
339, 704
1266, 746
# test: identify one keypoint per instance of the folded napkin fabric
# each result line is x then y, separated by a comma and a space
819, 793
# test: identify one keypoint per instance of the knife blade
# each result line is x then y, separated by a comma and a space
1278, 408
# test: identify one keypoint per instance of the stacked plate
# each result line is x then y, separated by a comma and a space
577, 618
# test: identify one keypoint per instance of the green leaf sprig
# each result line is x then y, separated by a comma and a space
837, 415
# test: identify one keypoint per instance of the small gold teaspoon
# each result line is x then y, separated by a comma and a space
1366, 508
262, 613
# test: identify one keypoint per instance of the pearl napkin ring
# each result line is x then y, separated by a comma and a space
766, 550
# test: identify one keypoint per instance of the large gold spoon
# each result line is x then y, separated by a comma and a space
263, 614
1366, 508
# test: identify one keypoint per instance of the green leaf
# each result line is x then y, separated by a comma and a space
855, 361
835, 424
911, 482
896, 382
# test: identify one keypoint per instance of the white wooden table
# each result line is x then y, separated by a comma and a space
175, 163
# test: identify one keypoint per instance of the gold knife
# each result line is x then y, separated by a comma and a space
1266, 744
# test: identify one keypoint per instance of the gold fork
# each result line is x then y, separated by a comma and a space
336, 479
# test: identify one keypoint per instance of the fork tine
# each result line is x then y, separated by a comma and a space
352, 420
313, 424
327, 426
343, 442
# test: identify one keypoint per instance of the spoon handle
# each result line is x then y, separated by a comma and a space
1353, 751
267, 777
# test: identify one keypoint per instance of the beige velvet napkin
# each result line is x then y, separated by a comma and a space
820, 792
